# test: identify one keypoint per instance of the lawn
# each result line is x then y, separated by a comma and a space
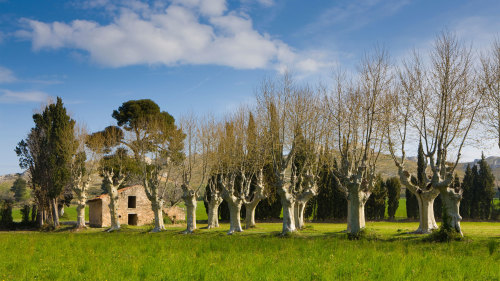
321, 252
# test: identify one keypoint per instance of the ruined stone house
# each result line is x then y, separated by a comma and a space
134, 208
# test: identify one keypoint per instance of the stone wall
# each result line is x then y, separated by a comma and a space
142, 209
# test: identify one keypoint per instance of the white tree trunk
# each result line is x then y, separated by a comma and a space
251, 206
234, 217
299, 214
356, 211
288, 204
80, 190
451, 203
250, 214
425, 200
156, 205
426, 211
113, 206
213, 212
300, 205
80, 219
189, 197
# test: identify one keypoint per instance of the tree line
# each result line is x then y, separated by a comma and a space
298, 150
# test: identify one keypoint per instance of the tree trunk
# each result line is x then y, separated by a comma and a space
55, 213
451, 203
80, 219
60, 210
425, 200
234, 216
300, 206
113, 207
356, 211
251, 206
156, 205
299, 214
426, 211
213, 212
190, 202
288, 204
250, 214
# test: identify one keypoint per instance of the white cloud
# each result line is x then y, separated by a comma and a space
9, 96
185, 32
6, 75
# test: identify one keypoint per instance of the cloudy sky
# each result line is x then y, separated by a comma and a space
199, 55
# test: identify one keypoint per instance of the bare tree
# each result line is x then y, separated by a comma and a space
197, 148
214, 199
289, 112
439, 106
490, 78
82, 169
356, 112
231, 164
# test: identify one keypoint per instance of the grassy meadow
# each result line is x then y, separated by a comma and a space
320, 252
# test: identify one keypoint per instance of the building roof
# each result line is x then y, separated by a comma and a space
100, 197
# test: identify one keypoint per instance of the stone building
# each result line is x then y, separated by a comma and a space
134, 208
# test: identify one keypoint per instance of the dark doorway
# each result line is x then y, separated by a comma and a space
132, 202
132, 219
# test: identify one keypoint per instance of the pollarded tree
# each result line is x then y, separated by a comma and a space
84, 164
230, 156
285, 112
197, 148
240, 168
356, 112
213, 199
211, 134
437, 103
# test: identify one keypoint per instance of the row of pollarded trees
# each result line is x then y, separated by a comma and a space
291, 134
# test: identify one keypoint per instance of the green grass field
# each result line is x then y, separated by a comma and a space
321, 252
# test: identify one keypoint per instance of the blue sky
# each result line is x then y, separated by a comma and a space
199, 55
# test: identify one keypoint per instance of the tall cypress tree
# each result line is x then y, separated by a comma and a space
475, 192
393, 192
467, 185
486, 192
411, 199
375, 206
